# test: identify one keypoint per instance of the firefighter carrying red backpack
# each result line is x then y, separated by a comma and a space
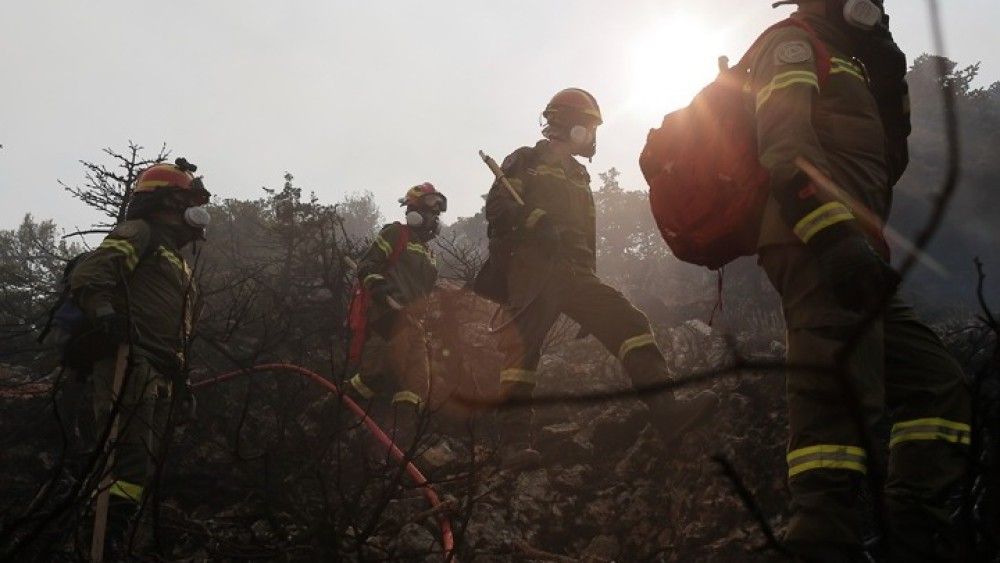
707, 186
361, 300
398, 261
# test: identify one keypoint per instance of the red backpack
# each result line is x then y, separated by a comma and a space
707, 188
361, 300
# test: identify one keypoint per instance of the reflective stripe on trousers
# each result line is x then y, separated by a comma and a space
407, 397
517, 375
826, 456
630, 344
359, 385
126, 490
930, 429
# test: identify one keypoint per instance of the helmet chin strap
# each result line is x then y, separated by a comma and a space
555, 133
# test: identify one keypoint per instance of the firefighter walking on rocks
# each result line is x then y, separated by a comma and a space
834, 142
396, 275
543, 255
137, 289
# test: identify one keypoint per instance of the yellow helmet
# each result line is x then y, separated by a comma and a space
424, 196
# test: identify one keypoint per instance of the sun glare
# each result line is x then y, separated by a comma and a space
671, 62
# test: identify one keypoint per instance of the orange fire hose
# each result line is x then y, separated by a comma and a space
447, 537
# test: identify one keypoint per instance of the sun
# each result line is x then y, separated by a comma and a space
671, 62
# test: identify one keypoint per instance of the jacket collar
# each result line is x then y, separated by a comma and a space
829, 32
547, 156
170, 236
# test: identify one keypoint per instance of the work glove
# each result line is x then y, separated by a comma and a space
548, 234
382, 291
113, 325
858, 277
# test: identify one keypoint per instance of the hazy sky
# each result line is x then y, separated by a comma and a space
364, 95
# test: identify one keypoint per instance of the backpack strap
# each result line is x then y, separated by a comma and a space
63, 295
397, 250
155, 241
823, 64
71, 264
357, 310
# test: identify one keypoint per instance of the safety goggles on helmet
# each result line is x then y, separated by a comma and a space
425, 196
200, 195
434, 202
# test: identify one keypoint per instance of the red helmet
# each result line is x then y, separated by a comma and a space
573, 105
424, 196
178, 176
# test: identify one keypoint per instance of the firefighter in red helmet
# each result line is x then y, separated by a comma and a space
397, 273
137, 289
547, 246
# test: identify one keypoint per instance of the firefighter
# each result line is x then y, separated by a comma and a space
136, 288
547, 248
822, 248
399, 271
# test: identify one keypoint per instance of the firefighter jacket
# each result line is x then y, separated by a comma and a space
409, 278
835, 126
554, 190
139, 271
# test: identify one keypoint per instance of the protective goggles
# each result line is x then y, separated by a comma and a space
434, 202
198, 193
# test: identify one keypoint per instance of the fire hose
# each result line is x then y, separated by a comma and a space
447, 536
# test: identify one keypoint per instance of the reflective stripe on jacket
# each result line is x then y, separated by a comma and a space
138, 270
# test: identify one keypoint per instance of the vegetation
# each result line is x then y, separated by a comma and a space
275, 468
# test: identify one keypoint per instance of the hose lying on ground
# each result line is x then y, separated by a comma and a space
447, 537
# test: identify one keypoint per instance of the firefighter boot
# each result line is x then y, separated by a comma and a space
377, 408
129, 530
359, 392
669, 415
516, 453
404, 425
672, 417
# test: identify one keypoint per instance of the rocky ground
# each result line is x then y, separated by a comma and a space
273, 469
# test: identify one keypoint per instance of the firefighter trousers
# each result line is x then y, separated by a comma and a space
395, 366
897, 372
540, 289
142, 420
